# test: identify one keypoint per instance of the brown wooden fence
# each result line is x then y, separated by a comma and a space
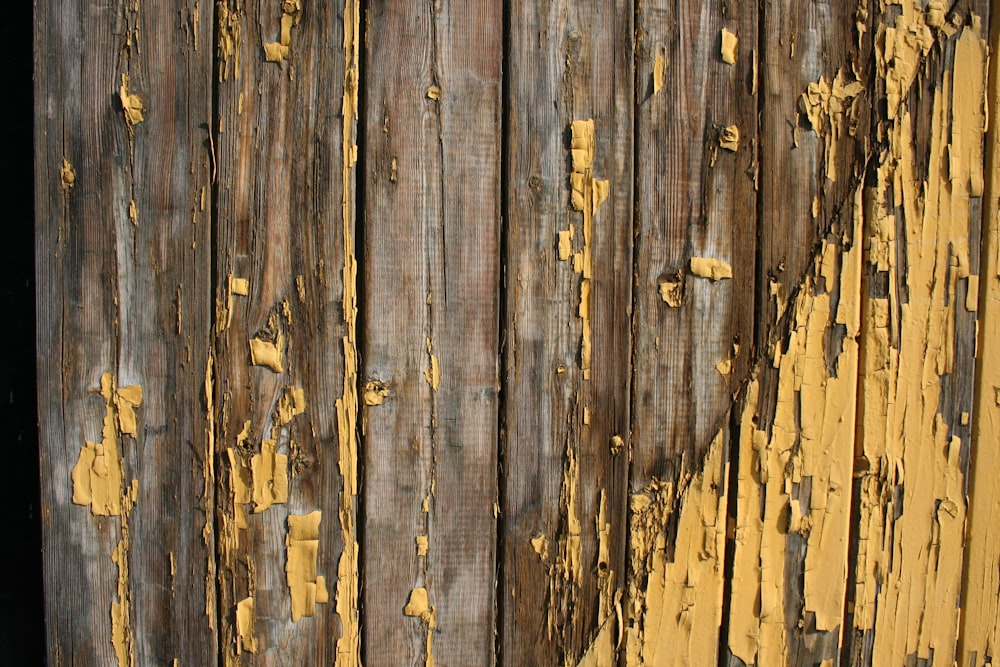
536, 332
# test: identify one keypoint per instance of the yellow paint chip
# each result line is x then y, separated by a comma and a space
729, 138
131, 104
659, 73
433, 371
729, 43
67, 174
423, 544
714, 269
302, 548
245, 617
672, 292
268, 353
540, 544
434, 93
375, 393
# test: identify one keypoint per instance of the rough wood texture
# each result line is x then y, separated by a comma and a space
566, 410
808, 164
123, 259
430, 315
523, 444
282, 183
695, 199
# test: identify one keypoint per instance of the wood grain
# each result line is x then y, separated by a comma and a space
430, 317
695, 199
568, 61
282, 183
123, 259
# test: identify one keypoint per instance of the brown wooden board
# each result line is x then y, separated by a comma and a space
697, 158
429, 309
565, 452
285, 203
123, 201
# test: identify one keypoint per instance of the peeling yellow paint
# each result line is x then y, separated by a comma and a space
121, 609
659, 73
349, 643
245, 618
375, 393
268, 353
98, 474
302, 549
132, 105
713, 269
433, 371
269, 471
729, 46
675, 618
979, 633
418, 605
67, 175
672, 292
729, 138
831, 111
277, 52
587, 195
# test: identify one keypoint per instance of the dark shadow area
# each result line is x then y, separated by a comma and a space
22, 640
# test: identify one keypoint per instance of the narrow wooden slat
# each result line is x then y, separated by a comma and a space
806, 173
568, 282
430, 315
123, 100
284, 280
696, 205
923, 238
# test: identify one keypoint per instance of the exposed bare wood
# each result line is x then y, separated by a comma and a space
430, 315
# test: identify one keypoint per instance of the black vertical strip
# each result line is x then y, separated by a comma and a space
361, 294
637, 50
760, 269
22, 637
212, 129
502, 333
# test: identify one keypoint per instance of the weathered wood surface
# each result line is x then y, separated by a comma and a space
567, 339
430, 313
285, 198
573, 375
123, 168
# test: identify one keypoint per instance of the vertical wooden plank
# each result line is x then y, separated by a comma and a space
979, 634
696, 242
430, 317
811, 53
286, 340
922, 266
123, 100
569, 255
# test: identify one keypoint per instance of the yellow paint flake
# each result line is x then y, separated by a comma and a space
433, 371
540, 544
67, 174
587, 195
672, 292
434, 93
131, 104
245, 617
418, 605
302, 549
375, 393
270, 477
729, 138
98, 474
268, 353
659, 73
277, 52
729, 43
423, 544
714, 269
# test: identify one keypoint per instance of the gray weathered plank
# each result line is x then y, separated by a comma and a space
123, 261
566, 411
430, 266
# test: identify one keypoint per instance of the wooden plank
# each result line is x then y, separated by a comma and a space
808, 166
924, 216
123, 99
285, 397
568, 281
696, 164
430, 313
